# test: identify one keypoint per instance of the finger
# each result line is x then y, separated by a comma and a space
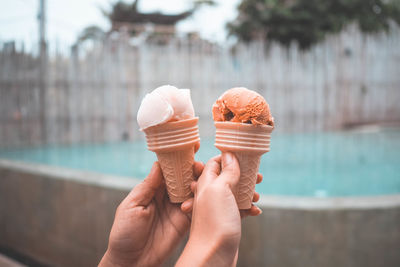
187, 206
196, 147
230, 169
198, 169
211, 170
193, 187
256, 197
143, 193
259, 178
253, 211
161, 193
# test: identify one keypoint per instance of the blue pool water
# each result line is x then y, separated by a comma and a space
322, 165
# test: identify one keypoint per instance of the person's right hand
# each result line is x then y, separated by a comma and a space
216, 229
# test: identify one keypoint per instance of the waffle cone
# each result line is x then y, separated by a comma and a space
173, 143
177, 168
248, 142
249, 165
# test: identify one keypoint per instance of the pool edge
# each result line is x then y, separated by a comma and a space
86, 177
270, 201
331, 203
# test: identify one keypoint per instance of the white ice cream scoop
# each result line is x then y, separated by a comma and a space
166, 103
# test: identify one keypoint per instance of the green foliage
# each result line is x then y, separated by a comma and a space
308, 21
122, 11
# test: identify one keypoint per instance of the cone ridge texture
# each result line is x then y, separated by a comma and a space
173, 143
248, 142
177, 168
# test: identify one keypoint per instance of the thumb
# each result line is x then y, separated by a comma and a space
230, 169
144, 192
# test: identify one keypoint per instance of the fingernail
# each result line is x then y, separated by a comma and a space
260, 211
228, 158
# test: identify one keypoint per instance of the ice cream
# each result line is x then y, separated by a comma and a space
166, 115
242, 105
164, 104
243, 125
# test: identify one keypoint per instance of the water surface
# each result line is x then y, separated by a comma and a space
322, 165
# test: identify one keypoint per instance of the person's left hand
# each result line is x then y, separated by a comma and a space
147, 226
216, 230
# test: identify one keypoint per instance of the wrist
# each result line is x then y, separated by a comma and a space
218, 251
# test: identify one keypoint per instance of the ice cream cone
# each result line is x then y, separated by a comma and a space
248, 142
174, 142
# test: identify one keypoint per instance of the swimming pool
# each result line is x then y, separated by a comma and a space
321, 165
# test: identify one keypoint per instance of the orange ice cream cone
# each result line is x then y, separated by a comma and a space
174, 143
248, 142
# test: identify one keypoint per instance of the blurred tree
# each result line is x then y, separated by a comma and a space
91, 33
309, 21
127, 16
129, 13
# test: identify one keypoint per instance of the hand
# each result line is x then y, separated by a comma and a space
216, 229
147, 226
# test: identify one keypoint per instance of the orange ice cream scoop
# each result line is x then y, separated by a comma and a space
242, 105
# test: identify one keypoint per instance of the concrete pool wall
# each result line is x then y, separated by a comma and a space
62, 217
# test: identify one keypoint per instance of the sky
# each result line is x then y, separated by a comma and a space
66, 18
